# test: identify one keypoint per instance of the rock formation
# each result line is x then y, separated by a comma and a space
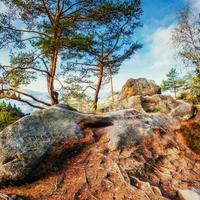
139, 86
23, 144
139, 152
121, 155
144, 96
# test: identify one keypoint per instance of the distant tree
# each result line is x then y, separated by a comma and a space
43, 34
3, 105
113, 42
8, 115
191, 89
173, 83
186, 37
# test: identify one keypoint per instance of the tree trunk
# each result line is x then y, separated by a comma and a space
112, 88
53, 94
54, 57
175, 91
98, 87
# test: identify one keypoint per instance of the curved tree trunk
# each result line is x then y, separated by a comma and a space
54, 58
53, 94
98, 86
112, 87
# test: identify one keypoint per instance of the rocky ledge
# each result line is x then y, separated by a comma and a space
60, 153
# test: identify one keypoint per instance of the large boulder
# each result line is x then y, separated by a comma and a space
139, 86
25, 143
158, 104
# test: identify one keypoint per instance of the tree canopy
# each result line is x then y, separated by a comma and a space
44, 35
113, 42
186, 38
173, 82
9, 114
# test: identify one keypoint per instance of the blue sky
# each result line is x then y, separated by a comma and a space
156, 57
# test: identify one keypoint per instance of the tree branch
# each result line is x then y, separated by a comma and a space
50, 15
33, 68
89, 86
71, 6
10, 42
24, 101
45, 65
25, 30
117, 40
61, 84
25, 94
77, 63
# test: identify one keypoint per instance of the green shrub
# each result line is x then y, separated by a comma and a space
8, 114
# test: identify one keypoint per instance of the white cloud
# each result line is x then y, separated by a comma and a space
153, 61
195, 4
38, 85
161, 49
3, 7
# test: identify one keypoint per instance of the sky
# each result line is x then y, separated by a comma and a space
156, 57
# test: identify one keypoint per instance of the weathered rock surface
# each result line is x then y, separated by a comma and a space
121, 155
23, 144
130, 126
188, 195
139, 86
162, 104
145, 96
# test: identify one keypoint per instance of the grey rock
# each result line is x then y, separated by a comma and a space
23, 144
129, 126
145, 96
163, 104
183, 111
187, 194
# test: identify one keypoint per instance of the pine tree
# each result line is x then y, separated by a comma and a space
10, 106
43, 32
8, 114
113, 42
173, 83
191, 89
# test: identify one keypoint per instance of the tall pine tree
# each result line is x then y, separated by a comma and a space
43, 34
113, 42
173, 82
